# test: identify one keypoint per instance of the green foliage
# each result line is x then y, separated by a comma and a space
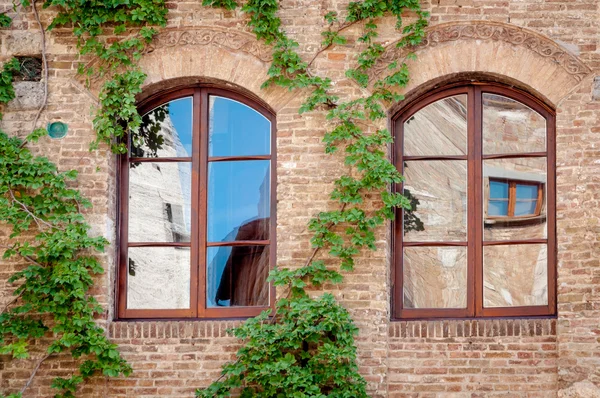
48, 230
52, 292
5, 20
91, 20
306, 348
118, 115
7, 93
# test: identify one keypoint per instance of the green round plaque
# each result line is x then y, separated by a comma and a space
57, 129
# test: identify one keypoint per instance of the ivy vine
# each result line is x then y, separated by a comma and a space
306, 347
51, 299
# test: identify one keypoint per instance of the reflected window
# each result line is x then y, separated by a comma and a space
513, 200
197, 195
478, 238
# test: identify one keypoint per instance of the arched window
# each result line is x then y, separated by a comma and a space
197, 218
479, 239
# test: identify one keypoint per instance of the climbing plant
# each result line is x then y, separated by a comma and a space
51, 302
306, 347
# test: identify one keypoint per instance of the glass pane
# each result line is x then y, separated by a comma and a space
527, 191
515, 275
439, 128
237, 276
518, 171
159, 202
158, 278
498, 190
438, 193
498, 208
511, 127
236, 129
525, 208
166, 131
238, 200
435, 277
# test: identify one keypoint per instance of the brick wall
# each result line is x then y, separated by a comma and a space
511, 358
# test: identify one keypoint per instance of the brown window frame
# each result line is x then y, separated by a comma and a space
475, 208
198, 243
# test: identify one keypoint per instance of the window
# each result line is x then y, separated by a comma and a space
512, 199
479, 238
197, 220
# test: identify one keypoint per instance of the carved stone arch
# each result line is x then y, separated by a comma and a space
505, 51
207, 54
211, 54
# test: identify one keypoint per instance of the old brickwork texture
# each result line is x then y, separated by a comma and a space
549, 48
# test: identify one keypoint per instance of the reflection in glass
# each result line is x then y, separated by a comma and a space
525, 175
158, 278
236, 129
511, 127
439, 128
498, 208
238, 200
440, 188
435, 277
498, 190
515, 275
159, 202
526, 199
237, 276
166, 131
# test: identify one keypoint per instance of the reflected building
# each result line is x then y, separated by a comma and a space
159, 211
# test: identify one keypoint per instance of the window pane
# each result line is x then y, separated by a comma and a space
166, 131
498, 208
438, 192
519, 171
438, 129
498, 190
511, 127
238, 200
158, 278
435, 277
237, 276
236, 129
525, 208
515, 275
527, 191
159, 202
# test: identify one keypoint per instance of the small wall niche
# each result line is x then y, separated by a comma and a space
30, 69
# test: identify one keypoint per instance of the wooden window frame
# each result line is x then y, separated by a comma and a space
198, 244
475, 209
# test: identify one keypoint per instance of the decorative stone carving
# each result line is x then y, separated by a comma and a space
484, 30
231, 40
202, 36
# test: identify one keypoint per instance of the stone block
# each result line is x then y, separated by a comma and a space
28, 96
23, 43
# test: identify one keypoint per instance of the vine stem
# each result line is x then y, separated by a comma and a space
44, 64
342, 27
33, 216
11, 302
35, 370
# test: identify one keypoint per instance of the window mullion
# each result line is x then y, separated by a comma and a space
201, 97
512, 198
476, 192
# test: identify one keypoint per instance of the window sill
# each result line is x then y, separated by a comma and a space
503, 221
